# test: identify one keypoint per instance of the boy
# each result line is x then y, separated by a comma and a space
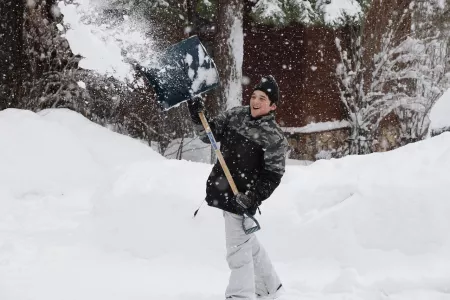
254, 149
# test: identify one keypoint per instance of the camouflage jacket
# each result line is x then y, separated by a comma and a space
255, 152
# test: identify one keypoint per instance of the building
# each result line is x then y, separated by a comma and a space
304, 60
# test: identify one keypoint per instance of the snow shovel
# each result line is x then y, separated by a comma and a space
187, 71
227, 173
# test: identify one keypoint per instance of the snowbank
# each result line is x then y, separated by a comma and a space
28, 144
89, 214
109, 149
440, 113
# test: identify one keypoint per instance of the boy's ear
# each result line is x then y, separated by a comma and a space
273, 106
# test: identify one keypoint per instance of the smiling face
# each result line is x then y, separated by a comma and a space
260, 104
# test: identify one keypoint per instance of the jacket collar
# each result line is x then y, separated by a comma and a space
260, 119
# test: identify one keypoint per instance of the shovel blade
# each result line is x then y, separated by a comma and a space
186, 71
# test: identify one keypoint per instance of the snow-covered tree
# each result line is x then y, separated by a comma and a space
403, 70
284, 12
308, 12
430, 43
340, 12
432, 71
52, 69
374, 78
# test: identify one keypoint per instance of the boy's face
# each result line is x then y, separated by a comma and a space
260, 104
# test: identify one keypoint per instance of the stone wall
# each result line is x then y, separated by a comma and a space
388, 134
334, 143
318, 145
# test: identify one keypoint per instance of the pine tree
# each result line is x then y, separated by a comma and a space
284, 12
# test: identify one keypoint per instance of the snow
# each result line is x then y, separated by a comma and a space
89, 214
207, 3
335, 11
318, 127
81, 84
440, 3
102, 56
105, 48
440, 113
206, 72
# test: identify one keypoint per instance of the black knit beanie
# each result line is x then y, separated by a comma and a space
269, 86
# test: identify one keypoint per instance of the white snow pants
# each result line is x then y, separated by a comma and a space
252, 272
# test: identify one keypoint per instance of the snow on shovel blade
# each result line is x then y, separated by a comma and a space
187, 70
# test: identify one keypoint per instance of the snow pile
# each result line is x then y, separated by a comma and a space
440, 113
86, 213
28, 144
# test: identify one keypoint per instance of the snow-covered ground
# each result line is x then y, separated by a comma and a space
89, 214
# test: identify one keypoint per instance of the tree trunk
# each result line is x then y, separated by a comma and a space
228, 53
192, 17
361, 141
11, 51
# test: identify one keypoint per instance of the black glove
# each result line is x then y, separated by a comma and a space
196, 105
245, 204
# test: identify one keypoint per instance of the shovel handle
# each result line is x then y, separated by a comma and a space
218, 153
227, 172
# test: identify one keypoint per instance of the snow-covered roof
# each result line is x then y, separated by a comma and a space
317, 127
440, 113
